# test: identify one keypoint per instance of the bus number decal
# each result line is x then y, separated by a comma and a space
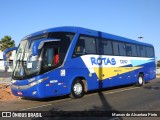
123, 61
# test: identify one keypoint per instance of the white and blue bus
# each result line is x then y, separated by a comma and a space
73, 60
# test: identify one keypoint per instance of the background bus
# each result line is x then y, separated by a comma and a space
74, 60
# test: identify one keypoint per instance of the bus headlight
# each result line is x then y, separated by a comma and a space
23, 87
33, 84
37, 82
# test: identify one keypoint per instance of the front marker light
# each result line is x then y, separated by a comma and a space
13, 81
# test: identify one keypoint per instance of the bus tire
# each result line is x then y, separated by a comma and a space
140, 80
77, 89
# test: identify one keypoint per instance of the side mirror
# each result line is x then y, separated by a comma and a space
39, 44
8, 50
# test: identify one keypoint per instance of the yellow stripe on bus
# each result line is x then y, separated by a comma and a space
104, 73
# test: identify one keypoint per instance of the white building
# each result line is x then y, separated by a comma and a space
2, 67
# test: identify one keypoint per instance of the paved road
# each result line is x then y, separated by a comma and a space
5, 77
126, 98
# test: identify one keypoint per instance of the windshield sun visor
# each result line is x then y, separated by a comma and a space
37, 45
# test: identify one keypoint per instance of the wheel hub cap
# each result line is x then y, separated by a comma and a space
140, 80
77, 88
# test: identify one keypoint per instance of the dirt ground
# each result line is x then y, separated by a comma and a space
5, 93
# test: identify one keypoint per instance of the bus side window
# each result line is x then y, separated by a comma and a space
142, 51
128, 50
90, 45
138, 51
105, 47
134, 50
85, 45
122, 49
48, 56
80, 48
115, 48
150, 51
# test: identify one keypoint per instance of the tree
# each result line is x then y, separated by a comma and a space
6, 42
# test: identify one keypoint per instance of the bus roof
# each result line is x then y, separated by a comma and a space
86, 31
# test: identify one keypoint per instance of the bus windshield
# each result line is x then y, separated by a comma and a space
50, 56
24, 63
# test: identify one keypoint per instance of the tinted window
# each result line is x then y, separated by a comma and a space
105, 47
115, 48
131, 50
128, 50
138, 51
48, 56
65, 38
134, 50
52, 56
53, 53
122, 50
85, 45
150, 51
141, 51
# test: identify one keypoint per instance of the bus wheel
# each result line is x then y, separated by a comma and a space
140, 80
77, 90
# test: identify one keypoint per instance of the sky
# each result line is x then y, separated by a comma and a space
127, 18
